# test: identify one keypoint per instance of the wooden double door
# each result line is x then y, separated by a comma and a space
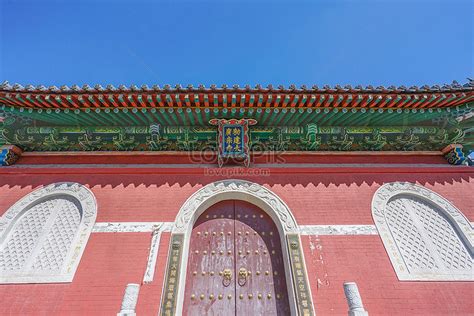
235, 264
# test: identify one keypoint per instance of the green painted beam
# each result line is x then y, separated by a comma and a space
296, 115
279, 117
326, 115
190, 117
289, 115
164, 116
303, 117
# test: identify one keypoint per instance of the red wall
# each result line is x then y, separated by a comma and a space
333, 260
112, 260
337, 198
108, 264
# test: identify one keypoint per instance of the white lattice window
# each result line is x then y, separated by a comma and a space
426, 237
43, 235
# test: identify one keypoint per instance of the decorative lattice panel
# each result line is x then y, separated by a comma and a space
59, 238
43, 235
407, 236
445, 240
25, 236
426, 237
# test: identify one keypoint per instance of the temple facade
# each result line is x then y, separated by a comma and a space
236, 200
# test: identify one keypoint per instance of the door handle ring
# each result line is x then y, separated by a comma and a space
227, 277
243, 274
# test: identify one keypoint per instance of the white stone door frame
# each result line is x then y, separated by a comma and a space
255, 194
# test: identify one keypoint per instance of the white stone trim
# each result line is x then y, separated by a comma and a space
337, 230
86, 203
131, 227
153, 255
243, 190
459, 222
149, 227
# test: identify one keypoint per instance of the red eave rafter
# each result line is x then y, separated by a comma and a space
235, 99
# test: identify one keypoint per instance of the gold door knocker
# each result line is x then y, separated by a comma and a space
243, 274
227, 274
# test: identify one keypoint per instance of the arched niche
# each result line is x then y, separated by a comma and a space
43, 235
427, 238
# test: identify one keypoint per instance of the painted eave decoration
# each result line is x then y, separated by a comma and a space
39, 118
75, 97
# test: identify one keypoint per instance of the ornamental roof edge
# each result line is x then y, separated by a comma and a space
6, 87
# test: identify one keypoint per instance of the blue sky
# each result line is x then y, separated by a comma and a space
244, 42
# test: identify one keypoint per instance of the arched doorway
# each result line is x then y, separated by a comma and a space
235, 263
298, 292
